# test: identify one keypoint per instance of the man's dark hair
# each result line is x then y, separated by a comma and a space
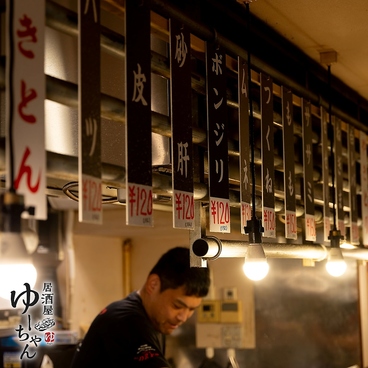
174, 271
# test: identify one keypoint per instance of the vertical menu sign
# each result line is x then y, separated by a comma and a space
181, 126
244, 159
339, 179
364, 184
310, 225
25, 99
268, 170
325, 176
138, 137
289, 164
219, 211
354, 230
89, 128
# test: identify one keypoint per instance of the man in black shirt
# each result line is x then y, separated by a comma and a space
128, 333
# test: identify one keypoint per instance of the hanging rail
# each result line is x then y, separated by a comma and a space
210, 247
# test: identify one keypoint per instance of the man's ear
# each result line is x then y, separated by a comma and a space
153, 283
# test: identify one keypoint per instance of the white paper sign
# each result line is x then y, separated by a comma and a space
25, 96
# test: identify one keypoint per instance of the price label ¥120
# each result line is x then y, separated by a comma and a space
219, 213
139, 205
183, 209
269, 222
246, 215
310, 228
90, 203
291, 230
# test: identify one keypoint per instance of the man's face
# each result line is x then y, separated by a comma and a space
171, 308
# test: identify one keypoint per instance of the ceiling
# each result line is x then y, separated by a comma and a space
310, 25
315, 26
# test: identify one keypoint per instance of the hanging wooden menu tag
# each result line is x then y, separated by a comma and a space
325, 176
354, 230
219, 210
364, 184
289, 164
268, 169
339, 196
89, 113
310, 225
25, 101
181, 126
244, 159
138, 138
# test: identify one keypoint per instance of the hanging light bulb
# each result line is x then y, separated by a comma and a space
255, 265
335, 266
16, 267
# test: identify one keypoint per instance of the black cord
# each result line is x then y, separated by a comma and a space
332, 139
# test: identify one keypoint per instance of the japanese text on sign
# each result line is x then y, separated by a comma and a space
138, 133
181, 125
267, 152
354, 230
89, 158
25, 96
217, 139
364, 184
339, 176
310, 230
289, 165
325, 175
244, 149
31, 335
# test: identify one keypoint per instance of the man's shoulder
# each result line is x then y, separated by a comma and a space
122, 316
128, 307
